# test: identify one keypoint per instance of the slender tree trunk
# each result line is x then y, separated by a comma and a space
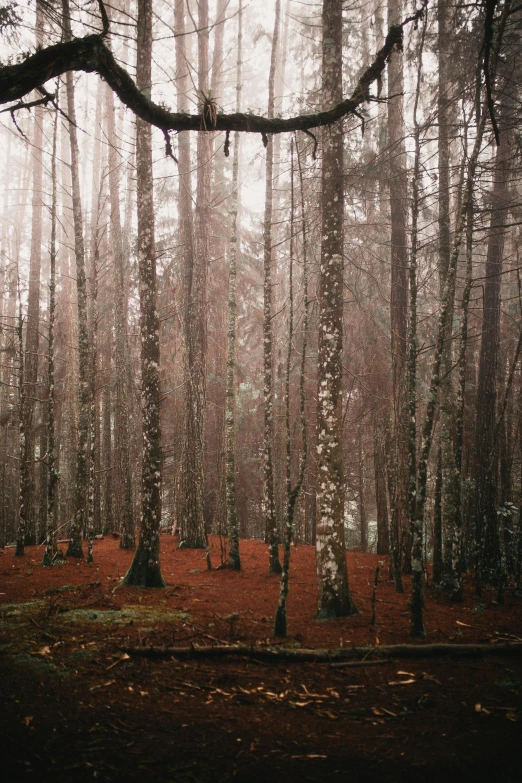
447, 425
363, 520
22, 517
108, 495
334, 598
52, 473
292, 492
485, 511
416, 522
122, 413
398, 186
27, 512
183, 86
456, 553
381, 500
145, 567
230, 393
191, 505
79, 522
274, 565
437, 523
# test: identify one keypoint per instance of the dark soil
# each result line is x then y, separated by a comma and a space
73, 706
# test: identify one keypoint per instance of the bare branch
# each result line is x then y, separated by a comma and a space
91, 55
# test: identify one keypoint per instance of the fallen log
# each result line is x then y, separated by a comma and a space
303, 655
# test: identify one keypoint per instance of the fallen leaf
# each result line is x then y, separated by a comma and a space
402, 682
28, 720
407, 674
328, 714
103, 685
430, 677
124, 657
44, 651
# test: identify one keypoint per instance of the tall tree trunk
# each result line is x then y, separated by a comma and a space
456, 552
191, 504
79, 522
485, 511
334, 599
398, 185
363, 519
416, 522
145, 567
122, 418
269, 511
27, 514
381, 498
234, 559
183, 86
52, 473
447, 425
293, 491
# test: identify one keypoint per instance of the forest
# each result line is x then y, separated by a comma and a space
260, 389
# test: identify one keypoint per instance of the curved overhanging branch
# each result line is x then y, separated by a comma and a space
92, 55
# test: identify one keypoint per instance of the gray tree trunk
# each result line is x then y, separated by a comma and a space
122, 413
398, 186
27, 514
145, 567
191, 501
269, 510
234, 559
334, 599
79, 521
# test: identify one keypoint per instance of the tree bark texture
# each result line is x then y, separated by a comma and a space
79, 521
334, 598
269, 510
145, 567
52, 473
398, 187
234, 558
192, 518
28, 412
485, 505
122, 413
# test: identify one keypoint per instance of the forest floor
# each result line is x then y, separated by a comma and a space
75, 706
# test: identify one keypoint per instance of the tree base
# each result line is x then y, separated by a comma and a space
19, 551
280, 623
334, 606
143, 573
74, 549
275, 567
234, 562
47, 561
457, 596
